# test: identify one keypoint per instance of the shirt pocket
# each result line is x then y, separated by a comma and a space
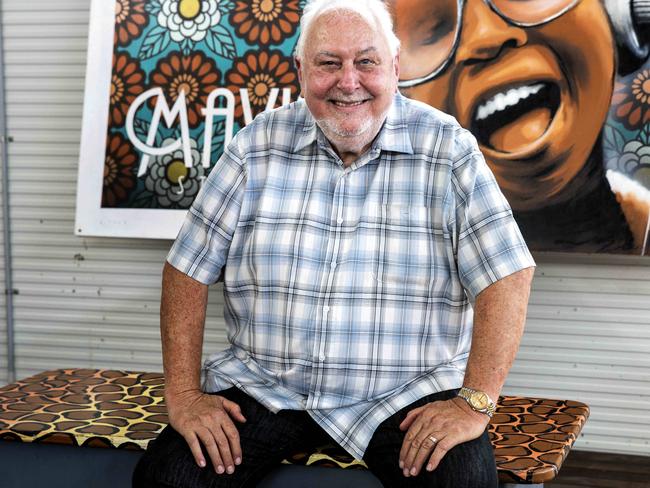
400, 242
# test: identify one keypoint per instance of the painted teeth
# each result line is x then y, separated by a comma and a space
502, 100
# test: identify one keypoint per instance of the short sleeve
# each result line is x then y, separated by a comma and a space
487, 241
201, 247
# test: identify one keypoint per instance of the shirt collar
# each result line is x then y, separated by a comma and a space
393, 136
309, 132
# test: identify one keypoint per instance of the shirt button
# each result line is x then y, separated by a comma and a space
321, 357
339, 220
333, 264
326, 309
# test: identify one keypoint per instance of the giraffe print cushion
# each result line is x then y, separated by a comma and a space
84, 407
107, 408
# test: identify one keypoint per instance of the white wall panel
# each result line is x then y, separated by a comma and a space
84, 302
93, 302
588, 338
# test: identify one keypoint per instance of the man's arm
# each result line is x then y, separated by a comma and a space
499, 317
198, 417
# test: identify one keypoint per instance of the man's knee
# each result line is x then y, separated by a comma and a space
469, 465
165, 463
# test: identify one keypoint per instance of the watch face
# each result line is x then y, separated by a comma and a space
479, 400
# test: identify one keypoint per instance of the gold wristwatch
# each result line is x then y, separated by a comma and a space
478, 400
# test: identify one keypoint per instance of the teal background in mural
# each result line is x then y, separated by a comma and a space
193, 46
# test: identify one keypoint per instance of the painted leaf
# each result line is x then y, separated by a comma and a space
221, 43
152, 7
614, 140
226, 6
155, 42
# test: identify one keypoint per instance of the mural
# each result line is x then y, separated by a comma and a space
557, 93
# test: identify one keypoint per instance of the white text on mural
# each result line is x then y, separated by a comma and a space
179, 110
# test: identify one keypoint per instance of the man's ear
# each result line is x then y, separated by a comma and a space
396, 67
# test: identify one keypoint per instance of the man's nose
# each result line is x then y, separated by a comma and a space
485, 34
349, 78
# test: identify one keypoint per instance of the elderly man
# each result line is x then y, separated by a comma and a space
355, 230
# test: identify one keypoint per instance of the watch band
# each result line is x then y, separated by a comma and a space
478, 400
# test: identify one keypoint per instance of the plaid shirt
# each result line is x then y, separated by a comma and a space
348, 290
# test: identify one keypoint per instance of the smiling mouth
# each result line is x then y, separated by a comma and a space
514, 118
342, 103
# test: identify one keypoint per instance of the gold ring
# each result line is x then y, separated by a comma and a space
433, 439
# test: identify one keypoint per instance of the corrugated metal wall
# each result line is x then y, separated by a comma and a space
93, 302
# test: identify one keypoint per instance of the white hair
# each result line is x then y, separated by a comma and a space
373, 11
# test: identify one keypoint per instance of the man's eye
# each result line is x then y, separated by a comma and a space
366, 62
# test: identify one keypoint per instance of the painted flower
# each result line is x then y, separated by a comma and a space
195, 75
259, 72
189, 19
173, 184
631, 101
266, 21
634, 161
127, 82
130, 20
119, 176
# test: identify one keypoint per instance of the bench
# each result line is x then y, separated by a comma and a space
122, 411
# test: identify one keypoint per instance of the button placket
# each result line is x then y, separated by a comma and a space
321, 333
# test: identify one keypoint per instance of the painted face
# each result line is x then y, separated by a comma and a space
348, 78
536, 97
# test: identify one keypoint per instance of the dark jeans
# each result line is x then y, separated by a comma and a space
267, 438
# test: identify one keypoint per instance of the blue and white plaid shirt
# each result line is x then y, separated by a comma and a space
348, 290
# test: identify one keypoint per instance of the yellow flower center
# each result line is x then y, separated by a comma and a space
121, 10
266, 6
187, 84
185, 87
259, 87
645, 86
189, 8
110, 170
177, 170
117, 89
641, 87
266, 10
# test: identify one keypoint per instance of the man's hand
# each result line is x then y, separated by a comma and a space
208, 420
434, 429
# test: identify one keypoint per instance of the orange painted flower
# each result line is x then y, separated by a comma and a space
130, 20
259, 73
195, 75
266, 22
127, 82
631, 101
119, 171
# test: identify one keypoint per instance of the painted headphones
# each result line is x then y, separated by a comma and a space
631, 23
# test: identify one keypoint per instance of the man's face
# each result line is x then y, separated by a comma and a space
536, 98
348, 78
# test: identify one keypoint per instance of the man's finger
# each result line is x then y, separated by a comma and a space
224, 447
232, 434
428, 443
195, 447
407, 444
418, 442
233, 410
208, 440
410, 417
439, 452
